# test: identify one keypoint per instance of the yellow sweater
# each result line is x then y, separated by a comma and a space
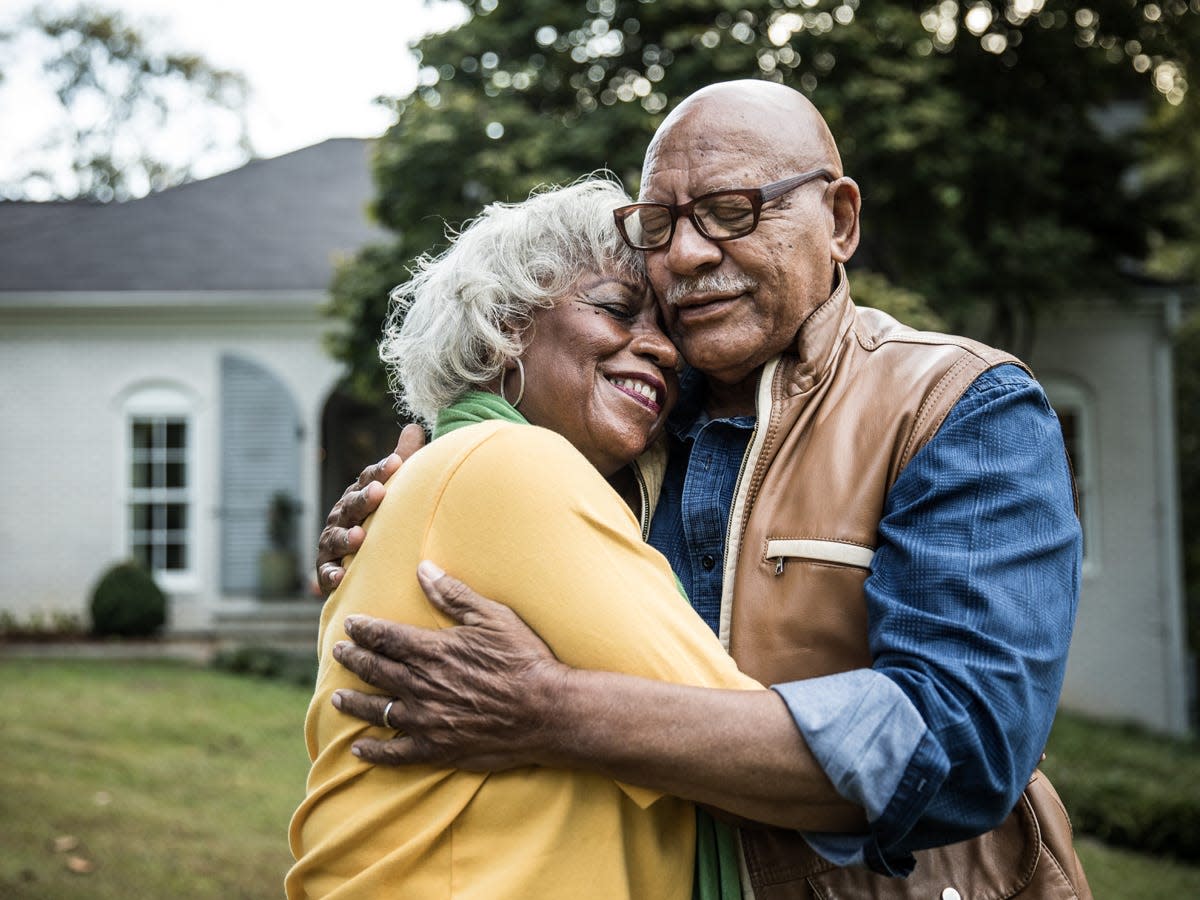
519, 515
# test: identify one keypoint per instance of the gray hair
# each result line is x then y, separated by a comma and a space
452, 326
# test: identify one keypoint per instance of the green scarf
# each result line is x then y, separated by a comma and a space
716, 852
474, 407
717, 876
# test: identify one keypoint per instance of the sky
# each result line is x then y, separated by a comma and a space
314, 67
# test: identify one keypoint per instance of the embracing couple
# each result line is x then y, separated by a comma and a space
747, 590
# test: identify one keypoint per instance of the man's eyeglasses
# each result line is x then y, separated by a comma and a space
719, 216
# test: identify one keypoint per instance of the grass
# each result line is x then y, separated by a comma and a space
171, 781
1117, 874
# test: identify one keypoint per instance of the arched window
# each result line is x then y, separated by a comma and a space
1074, 406
160, 505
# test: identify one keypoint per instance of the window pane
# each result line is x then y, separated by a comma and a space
176, 475
1068, 420
140, 517
141, 553
176, 516
176, 435
176, 556
141, 475
141, 435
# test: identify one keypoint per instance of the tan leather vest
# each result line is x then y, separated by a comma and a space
836, 424
838, 419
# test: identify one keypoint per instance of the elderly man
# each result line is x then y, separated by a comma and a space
878, 522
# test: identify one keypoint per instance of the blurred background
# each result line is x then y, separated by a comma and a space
203, 208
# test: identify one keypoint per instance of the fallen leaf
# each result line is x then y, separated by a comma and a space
79, 865
65, 842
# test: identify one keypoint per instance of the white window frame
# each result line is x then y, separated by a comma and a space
1069, 395
160, 404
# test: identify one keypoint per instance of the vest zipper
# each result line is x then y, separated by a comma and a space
762, 409
644, 495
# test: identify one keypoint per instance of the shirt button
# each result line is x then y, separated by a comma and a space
708, 562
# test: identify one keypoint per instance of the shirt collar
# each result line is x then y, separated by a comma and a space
688, 417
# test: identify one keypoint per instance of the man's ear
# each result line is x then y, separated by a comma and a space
847, 202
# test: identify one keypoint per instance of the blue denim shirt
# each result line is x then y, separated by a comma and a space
971, 601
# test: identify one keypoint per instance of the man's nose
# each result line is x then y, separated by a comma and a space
689, 250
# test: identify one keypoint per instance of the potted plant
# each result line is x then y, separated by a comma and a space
277, 564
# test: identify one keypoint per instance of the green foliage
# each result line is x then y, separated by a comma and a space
117, 92
1172, 174
1127, 787
909, 307
269, 662
37, 626
127, 603
1187, 419
995, 175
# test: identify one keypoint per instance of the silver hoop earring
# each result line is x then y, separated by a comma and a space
521, 392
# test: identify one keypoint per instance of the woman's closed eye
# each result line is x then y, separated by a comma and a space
618, 309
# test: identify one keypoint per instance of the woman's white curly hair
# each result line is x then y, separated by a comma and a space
452, 326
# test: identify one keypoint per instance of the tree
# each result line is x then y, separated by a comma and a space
1187, 406
121, 107
994, 162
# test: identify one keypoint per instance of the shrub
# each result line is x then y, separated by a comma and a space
293, 667
127, 603
1128, 787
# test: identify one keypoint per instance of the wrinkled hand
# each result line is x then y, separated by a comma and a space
477, 696
343, 533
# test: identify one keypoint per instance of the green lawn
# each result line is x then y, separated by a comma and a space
174, 781
170, 781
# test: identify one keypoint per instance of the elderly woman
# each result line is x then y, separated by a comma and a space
533, 350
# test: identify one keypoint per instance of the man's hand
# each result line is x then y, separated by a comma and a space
343, 533
478, 696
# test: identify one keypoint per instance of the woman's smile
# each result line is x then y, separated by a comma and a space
599, 370
648, 392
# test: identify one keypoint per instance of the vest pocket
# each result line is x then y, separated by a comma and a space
835, 553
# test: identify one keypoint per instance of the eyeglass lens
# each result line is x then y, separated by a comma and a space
717, 216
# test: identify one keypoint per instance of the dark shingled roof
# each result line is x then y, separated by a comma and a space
274, 224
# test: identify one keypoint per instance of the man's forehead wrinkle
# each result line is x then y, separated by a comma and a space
713, 162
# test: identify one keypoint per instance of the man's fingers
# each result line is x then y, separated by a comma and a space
396, 752
380, 471
370, 707
412, 439
386, 674
329, 576
336, 541
356, 506
453, 597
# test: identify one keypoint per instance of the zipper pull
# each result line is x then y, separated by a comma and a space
779, 566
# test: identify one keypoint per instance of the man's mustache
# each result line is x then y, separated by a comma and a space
708, 283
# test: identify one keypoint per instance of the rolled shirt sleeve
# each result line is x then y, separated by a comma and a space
971, 602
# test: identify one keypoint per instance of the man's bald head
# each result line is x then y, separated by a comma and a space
731, 304
750, 119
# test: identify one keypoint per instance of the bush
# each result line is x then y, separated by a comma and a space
1127, 787
269, 662
127, 603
